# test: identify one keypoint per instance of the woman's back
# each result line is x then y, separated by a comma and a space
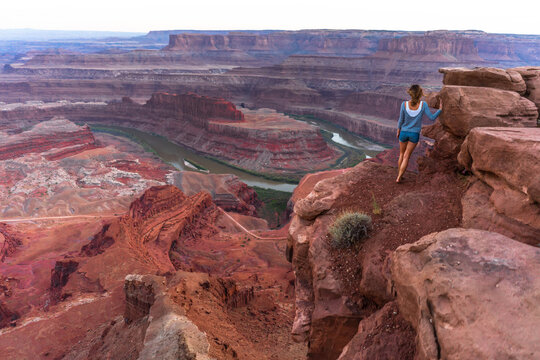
411, 119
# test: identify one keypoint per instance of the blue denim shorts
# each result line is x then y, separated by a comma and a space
405, 136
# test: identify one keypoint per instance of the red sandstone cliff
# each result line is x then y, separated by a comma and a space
196, 107
345, 42
435, 46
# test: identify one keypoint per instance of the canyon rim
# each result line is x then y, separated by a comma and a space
171, 196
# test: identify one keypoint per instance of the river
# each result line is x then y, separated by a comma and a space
176, 155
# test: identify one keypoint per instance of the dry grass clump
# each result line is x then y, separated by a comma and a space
349, 228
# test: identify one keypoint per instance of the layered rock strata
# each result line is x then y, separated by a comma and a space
259, 140
58, 133
227, 191
97, 307
531, 76
509, 79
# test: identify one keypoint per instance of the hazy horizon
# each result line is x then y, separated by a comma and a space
392, 15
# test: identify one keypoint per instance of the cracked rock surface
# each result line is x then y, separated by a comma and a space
470, 294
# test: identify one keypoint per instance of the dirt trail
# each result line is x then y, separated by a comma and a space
69, 217
248, 231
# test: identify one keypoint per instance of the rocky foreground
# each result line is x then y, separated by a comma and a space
449, 270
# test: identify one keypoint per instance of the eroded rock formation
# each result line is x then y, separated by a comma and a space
221, 313
336, 290
259, 140
58, 137
227, 191
466, 107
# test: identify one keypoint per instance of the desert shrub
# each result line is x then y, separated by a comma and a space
376, 207
349, 228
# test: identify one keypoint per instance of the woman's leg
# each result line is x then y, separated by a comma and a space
405, 162
402, 148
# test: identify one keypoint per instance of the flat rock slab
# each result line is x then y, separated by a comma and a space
486, 77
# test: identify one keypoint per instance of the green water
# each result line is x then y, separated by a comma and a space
177, 155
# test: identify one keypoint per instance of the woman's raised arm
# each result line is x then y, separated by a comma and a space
430, 115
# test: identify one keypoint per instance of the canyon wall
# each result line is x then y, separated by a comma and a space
287, 42
255, 140
361, 73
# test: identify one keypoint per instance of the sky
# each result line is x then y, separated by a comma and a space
143, 16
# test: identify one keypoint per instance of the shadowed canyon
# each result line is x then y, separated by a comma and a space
171, 196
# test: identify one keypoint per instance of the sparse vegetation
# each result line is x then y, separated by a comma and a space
349, 228
376, 207
274, 205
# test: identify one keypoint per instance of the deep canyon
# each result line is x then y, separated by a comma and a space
169, 196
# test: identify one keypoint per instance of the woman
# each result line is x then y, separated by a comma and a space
410, 124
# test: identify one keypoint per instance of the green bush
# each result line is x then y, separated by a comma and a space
349, 228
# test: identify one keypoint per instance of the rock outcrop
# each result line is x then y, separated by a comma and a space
169, 334
9, 241
509, 79
381, 336
506, 198
336, 290
57, 138
531, 76
468, 107
469, 294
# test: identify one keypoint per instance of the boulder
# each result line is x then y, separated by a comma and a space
479, 212
467, 107
381, 336
509, 79
508, 162
505, 157
531, 75
470, 294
